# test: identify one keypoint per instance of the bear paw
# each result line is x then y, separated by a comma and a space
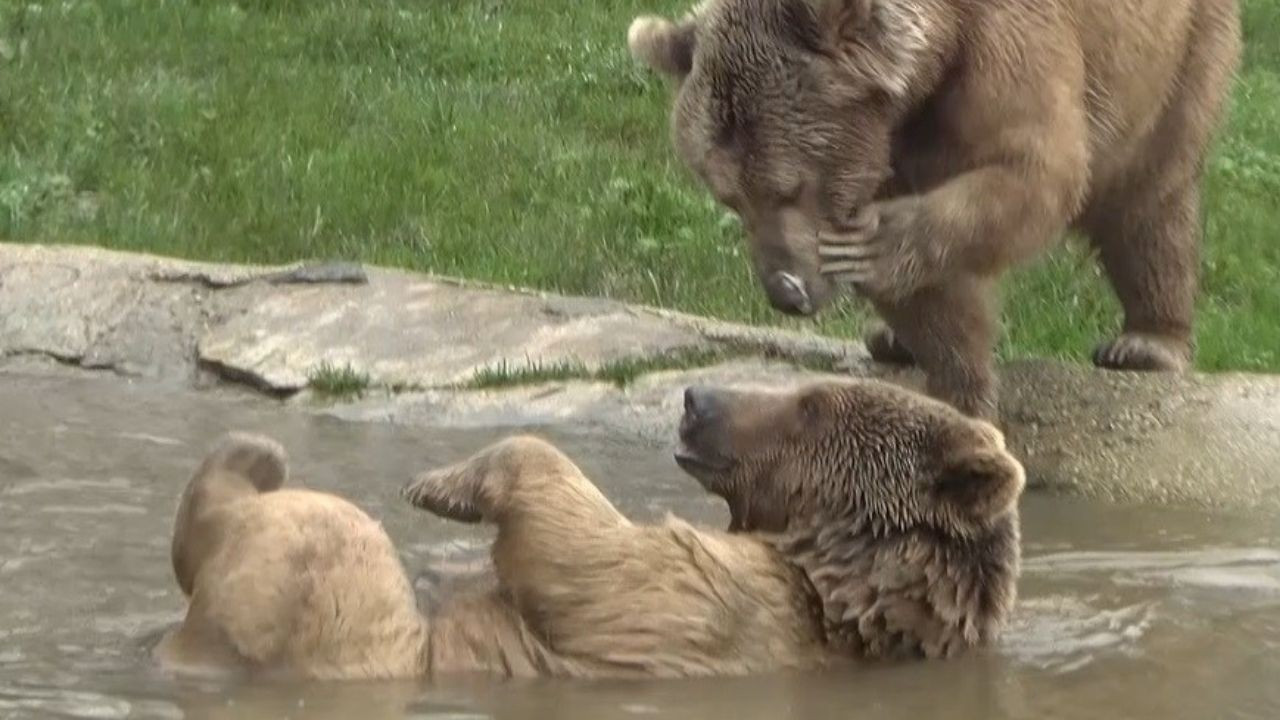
449, 492
885, 347
1143, 352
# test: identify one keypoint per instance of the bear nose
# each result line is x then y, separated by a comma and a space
700, 403
787, 293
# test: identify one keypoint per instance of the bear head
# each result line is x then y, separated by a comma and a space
785, 111
901, 510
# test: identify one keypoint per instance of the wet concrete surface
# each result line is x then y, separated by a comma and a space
1209, 440
1133, 611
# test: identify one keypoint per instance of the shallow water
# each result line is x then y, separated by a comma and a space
1124, 612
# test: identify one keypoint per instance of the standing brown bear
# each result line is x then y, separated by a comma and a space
915, 149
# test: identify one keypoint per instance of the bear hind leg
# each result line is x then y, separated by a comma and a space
1150, 255
1147, 224
520, 478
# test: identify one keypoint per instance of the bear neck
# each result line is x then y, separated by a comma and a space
916, 592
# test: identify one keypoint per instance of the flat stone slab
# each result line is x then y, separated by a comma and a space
96, 309
275, 327
406, 330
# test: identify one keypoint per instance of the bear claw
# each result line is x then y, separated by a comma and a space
885, 347
1141, 352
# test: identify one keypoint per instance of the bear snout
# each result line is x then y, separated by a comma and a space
701, 430
788, 293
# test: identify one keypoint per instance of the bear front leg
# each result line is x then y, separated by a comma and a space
926, 261
978, 223
1021, 152
949, 330
884, 346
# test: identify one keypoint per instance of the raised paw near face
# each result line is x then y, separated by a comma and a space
883, 254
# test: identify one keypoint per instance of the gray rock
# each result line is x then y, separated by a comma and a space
405, 330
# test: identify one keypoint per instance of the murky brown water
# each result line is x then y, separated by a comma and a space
1125, 613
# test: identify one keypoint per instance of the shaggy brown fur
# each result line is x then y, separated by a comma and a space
868, 521
915, 149
901, 511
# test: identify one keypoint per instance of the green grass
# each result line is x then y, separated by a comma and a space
505, 140
508, 374
622, 373
337, 381
625, 371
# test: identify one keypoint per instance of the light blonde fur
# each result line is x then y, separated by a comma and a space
306, 584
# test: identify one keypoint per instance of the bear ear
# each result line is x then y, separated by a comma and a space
879, 41
663, 45
980, 483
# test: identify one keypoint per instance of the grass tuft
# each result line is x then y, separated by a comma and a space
625, 371
337, 382
505, 374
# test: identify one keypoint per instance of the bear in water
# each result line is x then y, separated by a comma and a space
867, 522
